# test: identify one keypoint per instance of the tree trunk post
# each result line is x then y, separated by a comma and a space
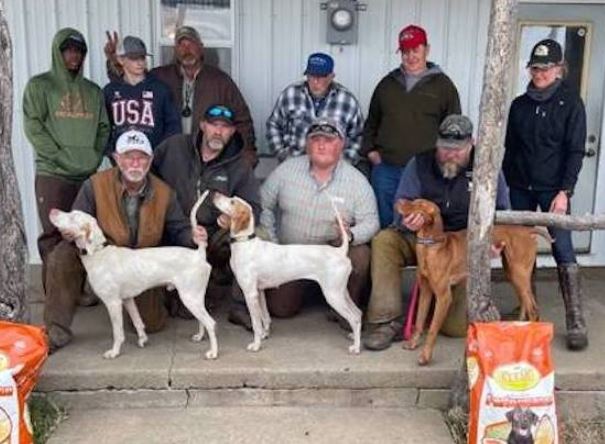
488, 159
12, 233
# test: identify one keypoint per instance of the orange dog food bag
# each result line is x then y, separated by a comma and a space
23, 350
511, 383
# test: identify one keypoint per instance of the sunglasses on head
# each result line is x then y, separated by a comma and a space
323, 128
220, 111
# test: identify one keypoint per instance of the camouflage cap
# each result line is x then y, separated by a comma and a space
454, 131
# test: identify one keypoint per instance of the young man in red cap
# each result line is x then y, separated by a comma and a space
406, 109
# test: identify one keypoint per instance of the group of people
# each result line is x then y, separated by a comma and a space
178, 130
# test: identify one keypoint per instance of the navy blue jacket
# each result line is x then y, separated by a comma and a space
146, 106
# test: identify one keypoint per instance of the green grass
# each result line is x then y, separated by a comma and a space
45, 416
573, 430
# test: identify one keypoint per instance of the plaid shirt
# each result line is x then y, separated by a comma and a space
297, 209
294, 111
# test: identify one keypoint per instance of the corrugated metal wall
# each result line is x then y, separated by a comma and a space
273, 39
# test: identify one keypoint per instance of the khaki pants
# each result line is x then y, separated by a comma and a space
64, 282
287, 300
391, 251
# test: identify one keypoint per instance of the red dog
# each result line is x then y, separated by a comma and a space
442, 263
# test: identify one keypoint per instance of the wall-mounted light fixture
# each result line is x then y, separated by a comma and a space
342, 25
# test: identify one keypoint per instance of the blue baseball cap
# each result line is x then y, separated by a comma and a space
319, 64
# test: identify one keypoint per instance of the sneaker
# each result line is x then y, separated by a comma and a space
383, 335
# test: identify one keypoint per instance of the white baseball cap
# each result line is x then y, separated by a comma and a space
133, 140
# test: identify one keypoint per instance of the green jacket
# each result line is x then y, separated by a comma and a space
65, 119
402, 123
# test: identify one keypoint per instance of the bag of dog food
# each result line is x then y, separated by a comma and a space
511, 383
23, 350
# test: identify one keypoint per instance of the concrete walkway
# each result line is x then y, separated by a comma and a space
253, 425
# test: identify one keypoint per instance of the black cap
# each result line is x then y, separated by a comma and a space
74, 40
220, 112
545, 53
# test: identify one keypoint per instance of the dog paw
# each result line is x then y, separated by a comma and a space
111, 354
354, 349
142, 341
198, 337
424, 358
211, 354
410, 345
253, 346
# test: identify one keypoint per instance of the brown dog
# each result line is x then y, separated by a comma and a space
442, 262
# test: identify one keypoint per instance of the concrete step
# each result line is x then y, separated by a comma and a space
252, 425
304, 363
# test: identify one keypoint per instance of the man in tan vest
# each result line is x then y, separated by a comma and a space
134, 209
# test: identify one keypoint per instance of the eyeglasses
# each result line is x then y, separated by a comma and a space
219, 111
323, 128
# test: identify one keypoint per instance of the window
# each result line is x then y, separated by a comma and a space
213, 19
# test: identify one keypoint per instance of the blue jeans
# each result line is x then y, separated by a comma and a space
384, 180
529, 200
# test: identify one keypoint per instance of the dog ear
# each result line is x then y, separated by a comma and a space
534, 418
510, 415
240, 219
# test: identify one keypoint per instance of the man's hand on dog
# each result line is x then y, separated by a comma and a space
69, 235
413, 221
199, 235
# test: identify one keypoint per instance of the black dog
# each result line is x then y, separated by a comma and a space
521, 421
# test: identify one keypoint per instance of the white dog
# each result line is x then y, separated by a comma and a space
118, 274
259, 265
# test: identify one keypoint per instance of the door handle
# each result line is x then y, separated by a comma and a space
590, 152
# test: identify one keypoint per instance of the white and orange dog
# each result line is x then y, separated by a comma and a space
259, 265
118, 274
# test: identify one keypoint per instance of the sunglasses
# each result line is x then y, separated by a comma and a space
323, 128
220, 111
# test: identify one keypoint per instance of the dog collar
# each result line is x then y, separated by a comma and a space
83, 251
242, 239
428, 241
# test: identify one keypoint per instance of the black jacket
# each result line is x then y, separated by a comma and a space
545, 141
177, 161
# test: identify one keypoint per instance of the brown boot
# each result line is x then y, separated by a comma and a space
571, 290
381, 336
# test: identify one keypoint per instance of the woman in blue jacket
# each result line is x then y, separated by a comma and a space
544, 150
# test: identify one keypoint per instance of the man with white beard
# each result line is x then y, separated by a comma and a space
214, 159
134, 209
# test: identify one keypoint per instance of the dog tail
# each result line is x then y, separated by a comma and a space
193, 214
543, 232
344, 246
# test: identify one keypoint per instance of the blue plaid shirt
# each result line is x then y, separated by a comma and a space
294, 111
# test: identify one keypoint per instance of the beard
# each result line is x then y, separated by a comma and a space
134, 174
215, 144
450, 169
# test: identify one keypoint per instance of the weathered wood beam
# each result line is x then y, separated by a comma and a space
586, 222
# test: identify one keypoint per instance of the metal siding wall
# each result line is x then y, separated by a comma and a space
33, 24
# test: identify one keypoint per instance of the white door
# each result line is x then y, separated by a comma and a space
580, 29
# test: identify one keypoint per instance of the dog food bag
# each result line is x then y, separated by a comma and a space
511, 381
23, 350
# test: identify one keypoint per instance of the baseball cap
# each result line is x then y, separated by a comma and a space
220, 112
76, 40
133, 140
132, 47
326, 127
411, 36
455, 130
187, 32
319, 64
545, 53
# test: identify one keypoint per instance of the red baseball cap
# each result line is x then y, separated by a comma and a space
411, 36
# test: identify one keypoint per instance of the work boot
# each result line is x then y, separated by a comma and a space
569, 282
57, 338
381, 336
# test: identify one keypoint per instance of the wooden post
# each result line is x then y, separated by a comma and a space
488, 160
12, 233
